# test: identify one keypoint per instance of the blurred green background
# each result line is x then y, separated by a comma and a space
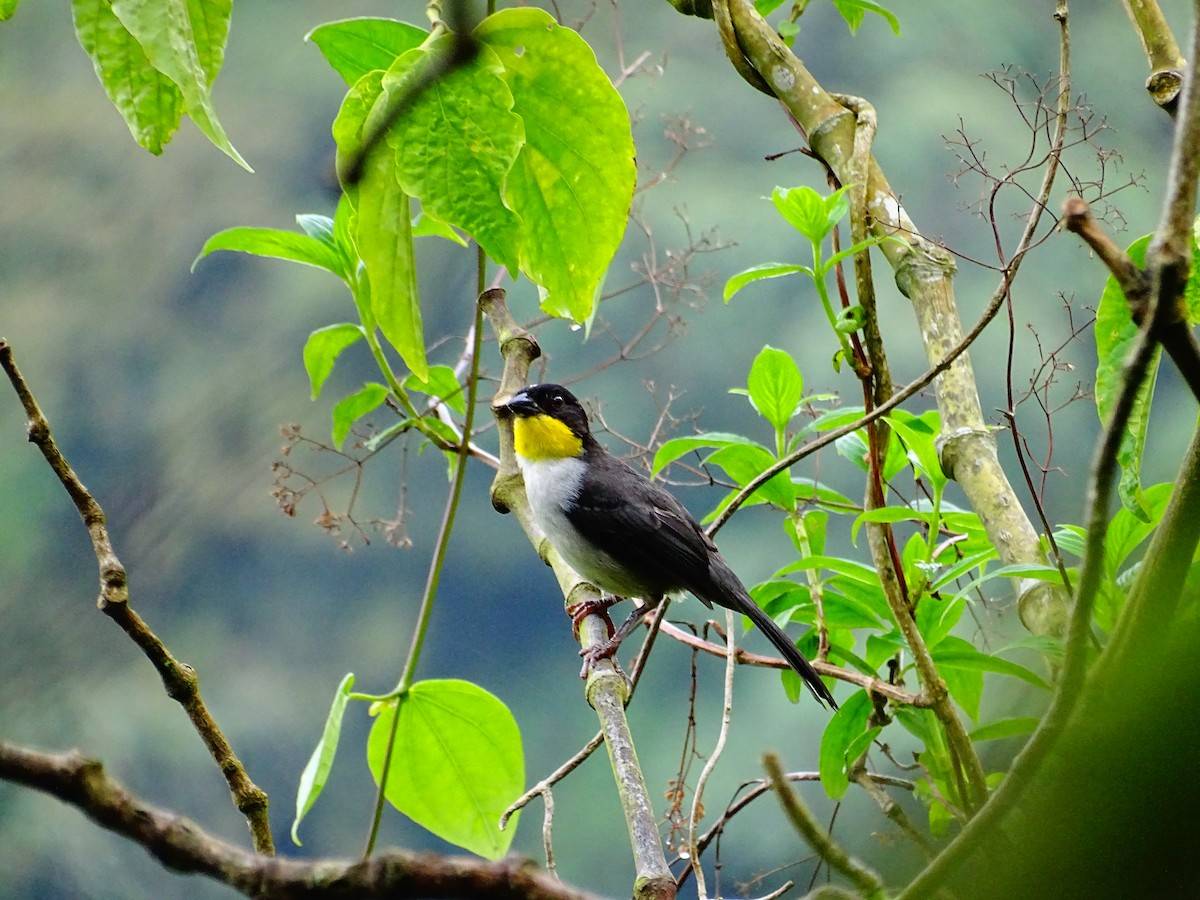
166, 390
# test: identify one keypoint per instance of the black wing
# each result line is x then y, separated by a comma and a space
642, 526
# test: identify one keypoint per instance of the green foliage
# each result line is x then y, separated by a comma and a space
814, 217
456, 762
846, 738
157, 59
573, 181
316, 771
1115, 332
355, 47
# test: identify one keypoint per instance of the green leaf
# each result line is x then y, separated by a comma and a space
7, 8
456, 763
1115, 333
854, 11
456, 142
316, 771
322, 349
808, 212
147, 100
443, 384
383, 236
955, 653
676, 447
1004, 728
276, 244
919, 434
760, 272
425, 225
355, 47
185, 41
845, 728
573, 180
1129, 527
745, 462
937, 618
775, 386
350, 409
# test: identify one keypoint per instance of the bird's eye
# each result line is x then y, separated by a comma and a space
557, 400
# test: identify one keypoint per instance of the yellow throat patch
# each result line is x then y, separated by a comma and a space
544, 437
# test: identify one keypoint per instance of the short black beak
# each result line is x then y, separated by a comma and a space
522, 405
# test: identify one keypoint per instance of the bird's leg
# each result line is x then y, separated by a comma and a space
606, 649
593, 606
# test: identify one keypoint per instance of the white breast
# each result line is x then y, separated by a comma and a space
552, 485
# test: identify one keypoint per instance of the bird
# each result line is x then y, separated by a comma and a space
619, 530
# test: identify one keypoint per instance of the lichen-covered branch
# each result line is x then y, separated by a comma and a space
924, 273
607, 688
1166, 60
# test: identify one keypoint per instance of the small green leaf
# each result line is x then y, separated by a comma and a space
1130, 527
7, 8
350, 409
374, 442
955, 653
850, 319
147, 100
185, 41
1004, 728
355, 47
937, 618
275, 244
442, 384
854, 11
845, 728
760, 272
745, 462
919, 434
572, 183
775, 386
676, 447
322, 349
425, 225
456, 763
316, 771
1115, 333
808, 212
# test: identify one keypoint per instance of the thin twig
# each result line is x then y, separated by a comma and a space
863, 878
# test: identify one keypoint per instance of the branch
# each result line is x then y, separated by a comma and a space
607, 688
863, 878
183, 846
1166, 286
924, 273
869, 683
179, 679
1166, 61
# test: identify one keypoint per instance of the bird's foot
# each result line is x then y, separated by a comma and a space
593, 606
596, 652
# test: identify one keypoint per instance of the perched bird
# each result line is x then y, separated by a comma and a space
622, 532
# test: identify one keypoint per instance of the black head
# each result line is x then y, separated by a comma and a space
552, 400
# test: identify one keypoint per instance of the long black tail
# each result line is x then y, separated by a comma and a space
784, 645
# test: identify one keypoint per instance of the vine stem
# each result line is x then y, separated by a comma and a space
439, 556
